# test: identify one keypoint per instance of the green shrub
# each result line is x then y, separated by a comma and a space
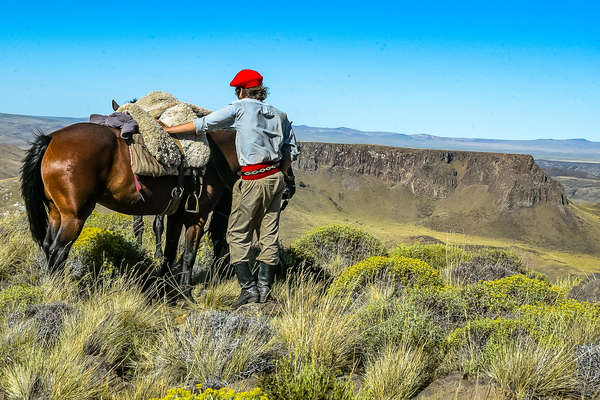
18, 297
213, 394
109, 253
439, 256
331, 248
569, 321
395, 322
293, 380
496, 298
400, 270
445, 304
112, 221
470, 346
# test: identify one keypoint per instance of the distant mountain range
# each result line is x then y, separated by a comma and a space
549, 149
17, 130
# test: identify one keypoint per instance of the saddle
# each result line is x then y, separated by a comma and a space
156, 153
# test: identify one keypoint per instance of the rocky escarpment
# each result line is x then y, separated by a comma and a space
514, 180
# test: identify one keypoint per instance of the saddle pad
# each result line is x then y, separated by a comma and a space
143, 163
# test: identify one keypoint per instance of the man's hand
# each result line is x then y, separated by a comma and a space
290, 187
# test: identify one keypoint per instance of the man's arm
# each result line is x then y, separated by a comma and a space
183, 128
219, 119
289, 150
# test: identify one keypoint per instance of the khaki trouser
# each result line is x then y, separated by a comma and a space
255, 207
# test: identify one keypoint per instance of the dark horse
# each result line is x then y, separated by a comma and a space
67, 172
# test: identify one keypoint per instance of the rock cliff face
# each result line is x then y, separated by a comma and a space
515, 181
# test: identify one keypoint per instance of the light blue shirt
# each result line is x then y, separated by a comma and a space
263, 132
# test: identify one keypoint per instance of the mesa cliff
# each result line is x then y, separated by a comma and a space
514, 180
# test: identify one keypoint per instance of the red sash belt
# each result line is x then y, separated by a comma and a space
257, 171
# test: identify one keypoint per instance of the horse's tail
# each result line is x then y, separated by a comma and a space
32, 187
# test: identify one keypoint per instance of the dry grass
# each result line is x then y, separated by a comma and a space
396, 374
526, 370
318, 329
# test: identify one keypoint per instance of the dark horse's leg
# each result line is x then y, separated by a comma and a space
158, 227
212, 192
138, 228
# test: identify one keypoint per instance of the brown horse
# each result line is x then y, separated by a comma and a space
67, 172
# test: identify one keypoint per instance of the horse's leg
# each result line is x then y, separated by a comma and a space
193, 234
158, 227
51, 232
138, 228
70, 228
218, 232
174, 225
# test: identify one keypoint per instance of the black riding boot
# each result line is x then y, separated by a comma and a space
266, 277
249, 292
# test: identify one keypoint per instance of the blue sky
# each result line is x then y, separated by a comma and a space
506, 69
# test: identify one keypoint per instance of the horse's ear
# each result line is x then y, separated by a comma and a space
115, 105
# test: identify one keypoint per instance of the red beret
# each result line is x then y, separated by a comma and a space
247, 78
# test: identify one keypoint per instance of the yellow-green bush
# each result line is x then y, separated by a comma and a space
496, 298
567, 321
395, 322
297, 380
99, 248
471, 346
400, 270
334, 247
19, 296
213, 394
112, 221
438, 256
445, 304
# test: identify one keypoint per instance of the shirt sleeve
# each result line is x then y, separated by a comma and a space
220, 119
290, 147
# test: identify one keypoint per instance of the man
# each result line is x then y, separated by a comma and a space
266, 146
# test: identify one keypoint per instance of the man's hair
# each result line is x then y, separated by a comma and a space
257, 92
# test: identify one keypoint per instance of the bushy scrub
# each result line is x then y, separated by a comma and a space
18, 297
439, 256
112, 221
297, 380
402, 271
588, 369
568, 321
491, 264
109, 253
332, 248
470, 346
213, 394
445, 304
394, 322
213, 348
499, 297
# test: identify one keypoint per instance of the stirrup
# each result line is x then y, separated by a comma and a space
187, 204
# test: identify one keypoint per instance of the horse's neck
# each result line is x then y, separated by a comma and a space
225, 142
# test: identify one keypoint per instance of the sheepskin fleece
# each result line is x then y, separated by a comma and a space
157, 141
170, 112
195, 147
156, 103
